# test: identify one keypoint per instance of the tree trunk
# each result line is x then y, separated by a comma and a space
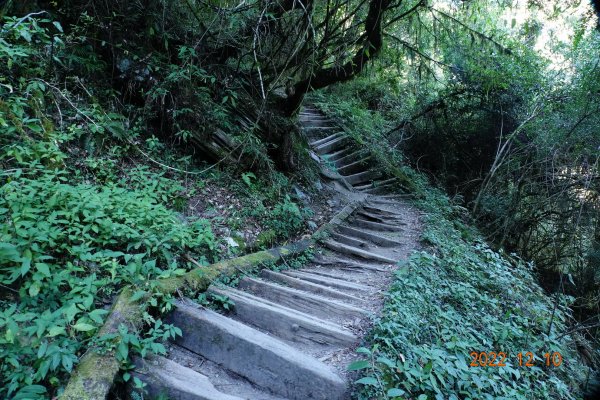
324, 77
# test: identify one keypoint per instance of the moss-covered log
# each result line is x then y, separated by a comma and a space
96, 372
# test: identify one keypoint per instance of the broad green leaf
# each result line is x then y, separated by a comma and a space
395, 392
367, 380
358, 365
56, 330
83, 327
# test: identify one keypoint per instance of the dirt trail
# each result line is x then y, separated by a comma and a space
292, 333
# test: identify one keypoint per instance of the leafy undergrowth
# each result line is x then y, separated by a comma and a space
90, 202
460, 297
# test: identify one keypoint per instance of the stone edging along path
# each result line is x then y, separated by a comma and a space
292, 333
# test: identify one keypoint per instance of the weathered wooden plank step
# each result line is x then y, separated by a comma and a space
355, 167
350, 241
320, 127
286, 323
331, 157
366, 176
366, 235
262, 359
327, 139
319, 306
377, 217
380, 200
353, 263
350, 157
311, 112
401, 197
331, 146
164, 377
294, 282
376, 226
357, 276
381, 189
387, 183
308, 275
307, 124
382, 211
363, 187
345, 249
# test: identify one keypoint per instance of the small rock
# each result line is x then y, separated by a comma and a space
231, 242
314, 156
301, 195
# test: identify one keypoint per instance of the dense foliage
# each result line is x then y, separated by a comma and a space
86, 208
102, 127
498, 103
456, 297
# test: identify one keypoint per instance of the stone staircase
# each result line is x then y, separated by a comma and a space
292, 333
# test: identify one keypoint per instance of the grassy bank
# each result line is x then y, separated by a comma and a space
458, 296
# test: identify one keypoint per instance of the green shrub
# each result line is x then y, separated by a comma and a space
463, 297
287, 218
65, 249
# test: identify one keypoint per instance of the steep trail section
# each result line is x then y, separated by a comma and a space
344, 158
292, 333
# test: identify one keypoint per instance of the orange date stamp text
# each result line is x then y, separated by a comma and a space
523, 359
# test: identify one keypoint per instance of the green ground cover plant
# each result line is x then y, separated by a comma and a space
459, 296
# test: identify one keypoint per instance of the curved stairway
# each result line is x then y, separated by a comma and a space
292, 333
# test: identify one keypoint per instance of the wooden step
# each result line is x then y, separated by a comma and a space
319, 306
286, 323
262, 359
164, 377
300, 284
355, 167
345, 249
366, 235
306, 274
361, 177
376, 226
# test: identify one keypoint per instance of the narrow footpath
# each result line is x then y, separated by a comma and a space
291, 334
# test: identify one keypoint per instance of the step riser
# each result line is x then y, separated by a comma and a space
261, 358
378, 240
285, 323
329, 281
318, 306
310, 287
350, 241
376, 226
164, 377
344, 249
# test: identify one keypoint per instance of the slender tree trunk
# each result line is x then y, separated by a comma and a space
327, 76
